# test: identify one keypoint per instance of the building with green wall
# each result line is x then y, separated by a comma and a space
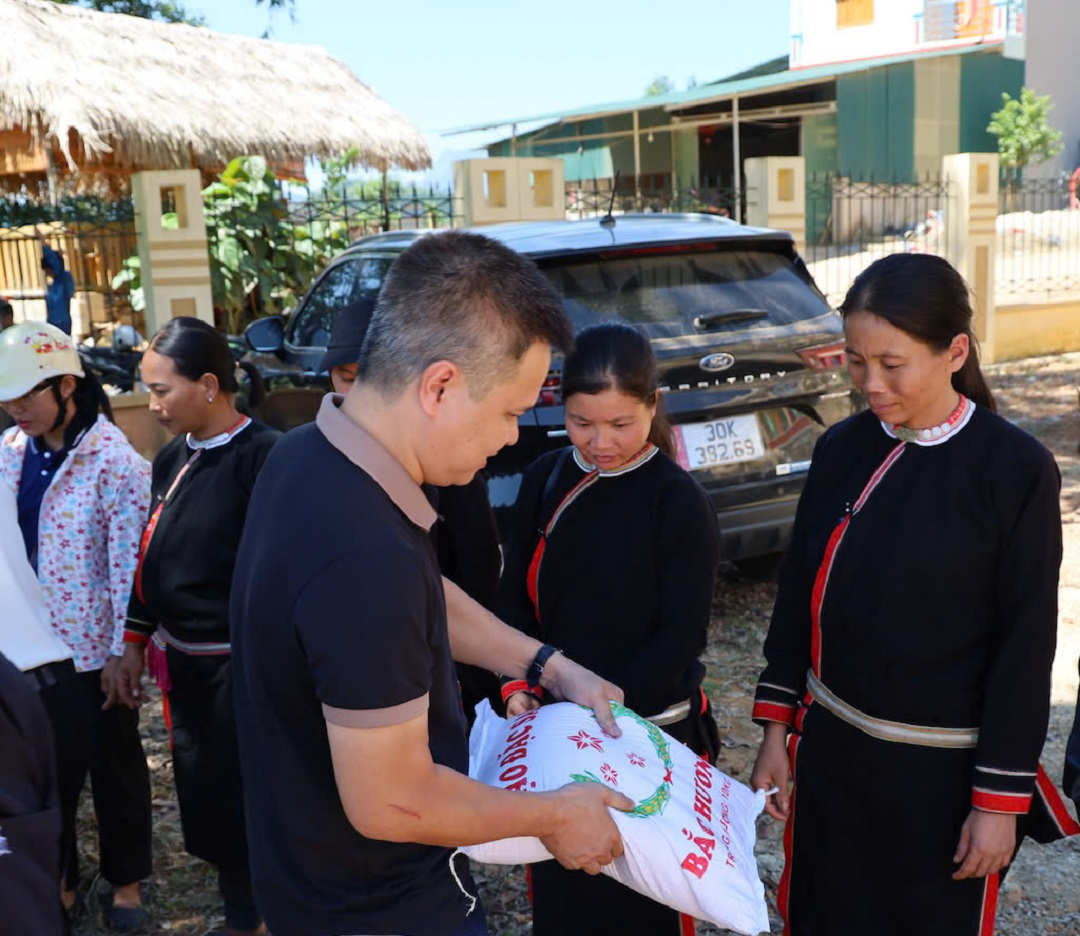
883, 119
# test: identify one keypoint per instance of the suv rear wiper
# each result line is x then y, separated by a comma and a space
729, 315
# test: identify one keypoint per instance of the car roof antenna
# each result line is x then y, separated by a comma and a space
608, 221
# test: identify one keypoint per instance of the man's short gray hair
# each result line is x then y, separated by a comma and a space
462, 298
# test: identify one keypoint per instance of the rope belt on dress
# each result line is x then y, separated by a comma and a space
672, 714
885, 730
162, 637
157, 664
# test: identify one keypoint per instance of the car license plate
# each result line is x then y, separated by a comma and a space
720, 442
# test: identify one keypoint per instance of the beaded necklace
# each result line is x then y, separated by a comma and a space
933, 433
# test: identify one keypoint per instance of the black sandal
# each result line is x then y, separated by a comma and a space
120, 919
126, 919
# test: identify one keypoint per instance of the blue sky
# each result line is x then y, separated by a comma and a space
452, 63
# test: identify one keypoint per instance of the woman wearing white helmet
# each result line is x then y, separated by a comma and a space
82, 493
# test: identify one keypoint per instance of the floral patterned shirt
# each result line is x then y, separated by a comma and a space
92, 516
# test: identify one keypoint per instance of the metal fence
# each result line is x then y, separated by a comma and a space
93, 235
1038, 240
307, 229
851, 224
266, 251
593, 198
372, 209
284, 245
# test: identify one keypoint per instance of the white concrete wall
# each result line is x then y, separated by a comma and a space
892, 32
895, 31
1053, 37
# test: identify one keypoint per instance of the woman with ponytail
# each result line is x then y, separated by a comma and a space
907, 687
178, 619
82, 493
612, 558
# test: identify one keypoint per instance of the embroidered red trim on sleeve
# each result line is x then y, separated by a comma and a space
1015, 803
774, 712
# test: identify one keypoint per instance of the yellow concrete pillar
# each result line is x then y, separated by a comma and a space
173, 250
971, 235
776, 195
505, 188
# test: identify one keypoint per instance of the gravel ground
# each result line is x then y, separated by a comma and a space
1041, 896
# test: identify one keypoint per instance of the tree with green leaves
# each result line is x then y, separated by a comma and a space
166, 11
257, 252
661, 84
1023, 131
335, 170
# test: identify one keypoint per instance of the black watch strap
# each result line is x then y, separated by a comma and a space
536, 668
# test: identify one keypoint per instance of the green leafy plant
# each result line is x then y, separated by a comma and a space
21, 209
260, 261
130, 275
130, 278
335, 170
1023, 132
661, 84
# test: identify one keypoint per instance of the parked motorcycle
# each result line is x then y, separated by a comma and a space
115, 365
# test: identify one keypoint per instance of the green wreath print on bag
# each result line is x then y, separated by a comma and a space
652, 805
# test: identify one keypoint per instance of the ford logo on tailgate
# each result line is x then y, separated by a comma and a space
720, 361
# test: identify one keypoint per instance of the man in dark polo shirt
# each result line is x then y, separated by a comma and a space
352, 735
465, 535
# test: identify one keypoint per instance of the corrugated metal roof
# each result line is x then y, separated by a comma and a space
725, 90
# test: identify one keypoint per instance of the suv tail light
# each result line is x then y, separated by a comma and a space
551, 390
824, 357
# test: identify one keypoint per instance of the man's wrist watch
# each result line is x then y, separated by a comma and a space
536, 668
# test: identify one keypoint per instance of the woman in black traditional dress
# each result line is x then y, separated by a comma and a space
179, 611
612, 558
911, 642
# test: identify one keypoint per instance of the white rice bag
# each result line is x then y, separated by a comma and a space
689, 842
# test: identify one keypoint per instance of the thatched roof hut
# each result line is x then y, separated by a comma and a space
110, 93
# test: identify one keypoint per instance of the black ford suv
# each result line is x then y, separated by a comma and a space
751, 356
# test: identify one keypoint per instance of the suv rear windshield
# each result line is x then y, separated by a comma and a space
684, 293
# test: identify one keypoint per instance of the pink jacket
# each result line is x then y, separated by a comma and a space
92, 517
